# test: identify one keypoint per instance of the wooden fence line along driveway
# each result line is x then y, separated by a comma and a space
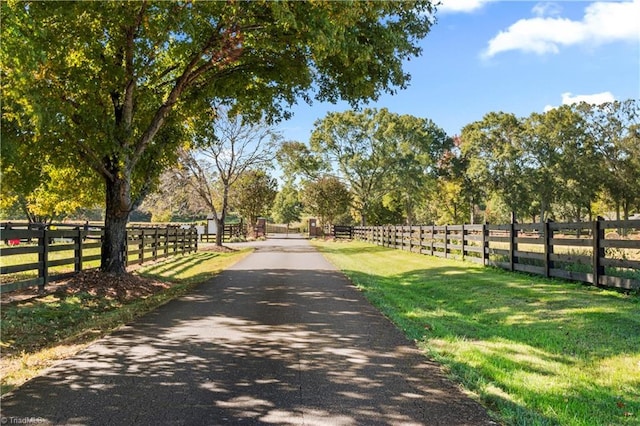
35, 256
593, 252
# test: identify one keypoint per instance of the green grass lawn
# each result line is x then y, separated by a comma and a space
38, 331
535, 351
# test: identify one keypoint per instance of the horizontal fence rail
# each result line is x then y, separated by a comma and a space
35, 255
228, 232
602, 253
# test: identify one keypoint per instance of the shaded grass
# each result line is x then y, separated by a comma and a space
535, 351
39, 331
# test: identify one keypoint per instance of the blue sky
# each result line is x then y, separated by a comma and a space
513, 56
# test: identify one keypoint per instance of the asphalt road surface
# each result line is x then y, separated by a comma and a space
279, 338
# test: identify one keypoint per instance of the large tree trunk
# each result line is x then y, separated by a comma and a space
220, 232
114, 243
223, 215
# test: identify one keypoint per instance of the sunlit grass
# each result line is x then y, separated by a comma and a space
39, 331
68, 254
535, 351
28, 258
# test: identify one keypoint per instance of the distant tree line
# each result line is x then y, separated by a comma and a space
569, 163
377, 167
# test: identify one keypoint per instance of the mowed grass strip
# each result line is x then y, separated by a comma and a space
38, 331
535, 351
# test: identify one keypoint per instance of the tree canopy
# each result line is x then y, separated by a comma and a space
116, 84
556, 164
569, 163
253, 194
377, 152
327, 197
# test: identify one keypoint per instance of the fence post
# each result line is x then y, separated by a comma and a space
194, 234
155, 244
433, 230
141, 247
512, 242
410, 238
446, 241
78, 251
597, 233
485, 244
548, 249
464, 233
43, 259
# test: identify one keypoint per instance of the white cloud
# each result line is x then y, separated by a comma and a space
461, 6
546, 9
595, 99
602, 23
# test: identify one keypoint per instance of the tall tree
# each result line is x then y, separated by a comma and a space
114, 81
452, 170
581, 164
287, 206
546, 138
496, 162
355, 144
420, 146
253, 194
327, 198
615, 129
224, 149
377, 152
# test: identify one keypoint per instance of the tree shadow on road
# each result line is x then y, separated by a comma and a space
253, 346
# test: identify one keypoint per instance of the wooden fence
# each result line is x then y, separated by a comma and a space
31, 254
603, 253
340, 231
228, 232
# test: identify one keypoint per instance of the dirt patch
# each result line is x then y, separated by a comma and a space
218, 249
122, 288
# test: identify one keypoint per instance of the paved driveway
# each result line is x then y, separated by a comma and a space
279, 338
